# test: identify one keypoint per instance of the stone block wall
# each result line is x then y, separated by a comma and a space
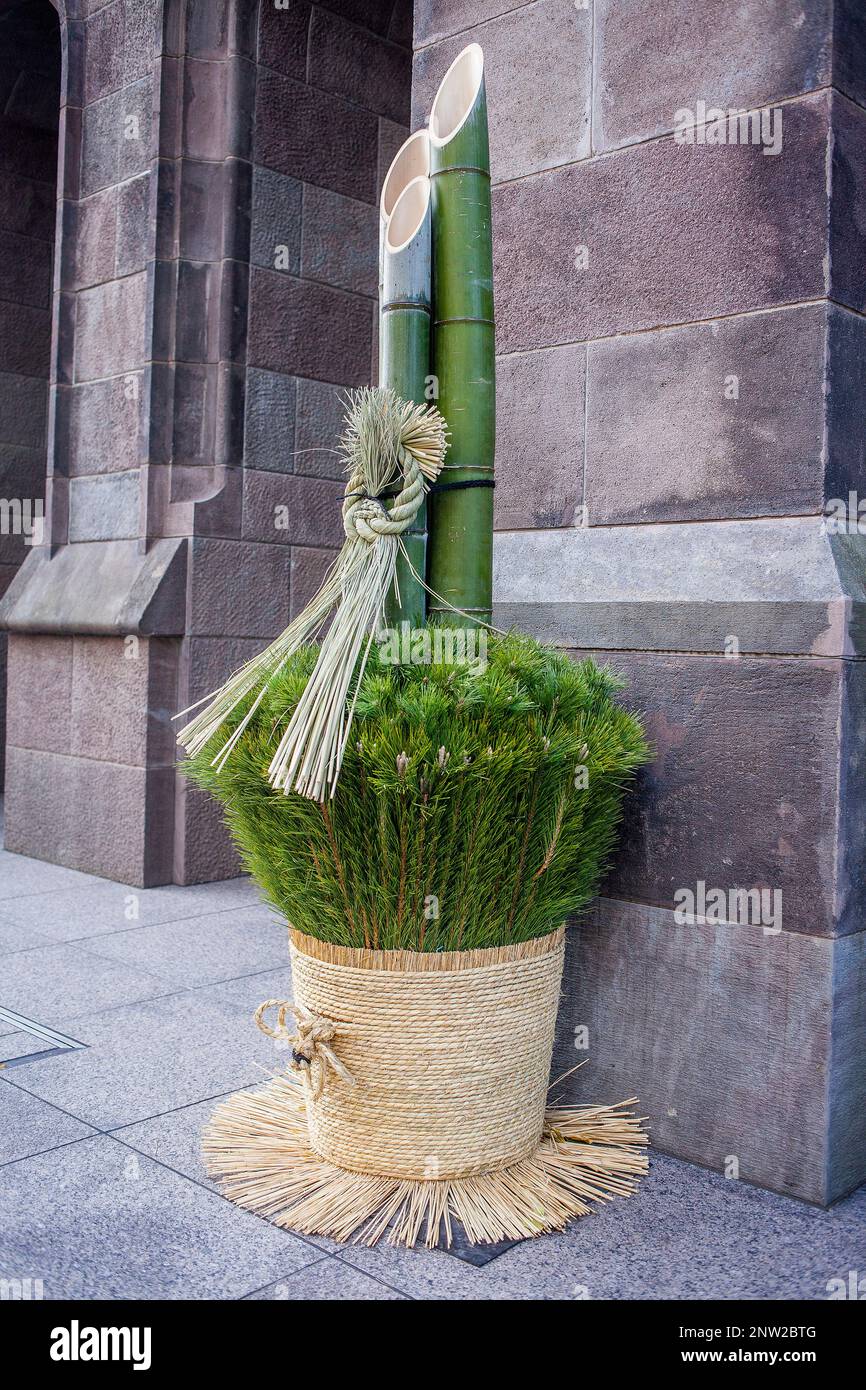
214, 292
29, 105
680, 398
326, 96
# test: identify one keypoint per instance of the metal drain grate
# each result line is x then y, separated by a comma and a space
55, 1042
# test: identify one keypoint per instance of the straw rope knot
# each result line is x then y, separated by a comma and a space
366, 518
388, 443
312, 1054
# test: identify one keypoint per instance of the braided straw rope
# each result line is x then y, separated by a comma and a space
385, 439
450, 1066
367, 519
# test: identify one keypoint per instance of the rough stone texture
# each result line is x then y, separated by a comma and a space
104, 702
110, 328
316, 136
704, 1022
674, 233
722, 419
370, 71
112, 684
132, 225
276, 221
104, 507
760, 739
44, 664
238, 589
270, 420
849, 50
116, 137
203, 849
848, 204
309, 568
339, 242
25, 269
526, 134
24, 338
115, 837
318, 425
436, 19
851, 838
539, 438
283, 39
653, 60
846, 371
847, 1138
91, 225
286, 509
310, 329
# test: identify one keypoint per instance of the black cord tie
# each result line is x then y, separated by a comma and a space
434, 487
469, 482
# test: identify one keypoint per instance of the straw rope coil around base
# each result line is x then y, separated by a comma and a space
418, 1098
450, 1062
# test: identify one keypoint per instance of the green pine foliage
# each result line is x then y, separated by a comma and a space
476, 807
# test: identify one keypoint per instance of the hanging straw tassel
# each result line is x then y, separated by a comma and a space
386, 439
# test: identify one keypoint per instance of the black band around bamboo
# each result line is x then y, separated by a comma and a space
434, 487
466, 482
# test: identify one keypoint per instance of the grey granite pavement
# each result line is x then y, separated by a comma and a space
102, 1189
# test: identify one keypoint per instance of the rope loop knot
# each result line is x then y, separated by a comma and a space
312, 1054
366, 518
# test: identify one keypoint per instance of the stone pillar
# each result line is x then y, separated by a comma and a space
681, 393
29, 115
214, 289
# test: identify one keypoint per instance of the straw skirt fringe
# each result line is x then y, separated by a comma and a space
437, 1110
257, 1145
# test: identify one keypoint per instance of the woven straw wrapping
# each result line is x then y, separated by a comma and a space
450, 1054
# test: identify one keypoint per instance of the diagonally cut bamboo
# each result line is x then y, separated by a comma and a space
404, 361
412, 161
460, 550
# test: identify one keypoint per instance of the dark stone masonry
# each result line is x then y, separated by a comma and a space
680, 326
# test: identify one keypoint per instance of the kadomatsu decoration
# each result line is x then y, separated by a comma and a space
425, 824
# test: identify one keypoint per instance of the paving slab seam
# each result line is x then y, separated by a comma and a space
113, 1131
176, 1109
139, 926
404, 1293
208, 1187
248, 1293
155, 998
125, 931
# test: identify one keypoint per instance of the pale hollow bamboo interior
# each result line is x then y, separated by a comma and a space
457, 94
408, 214
412, 161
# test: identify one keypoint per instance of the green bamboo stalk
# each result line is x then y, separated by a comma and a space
404, 332
460, 550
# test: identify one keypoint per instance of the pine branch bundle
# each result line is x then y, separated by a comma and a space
478, 802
